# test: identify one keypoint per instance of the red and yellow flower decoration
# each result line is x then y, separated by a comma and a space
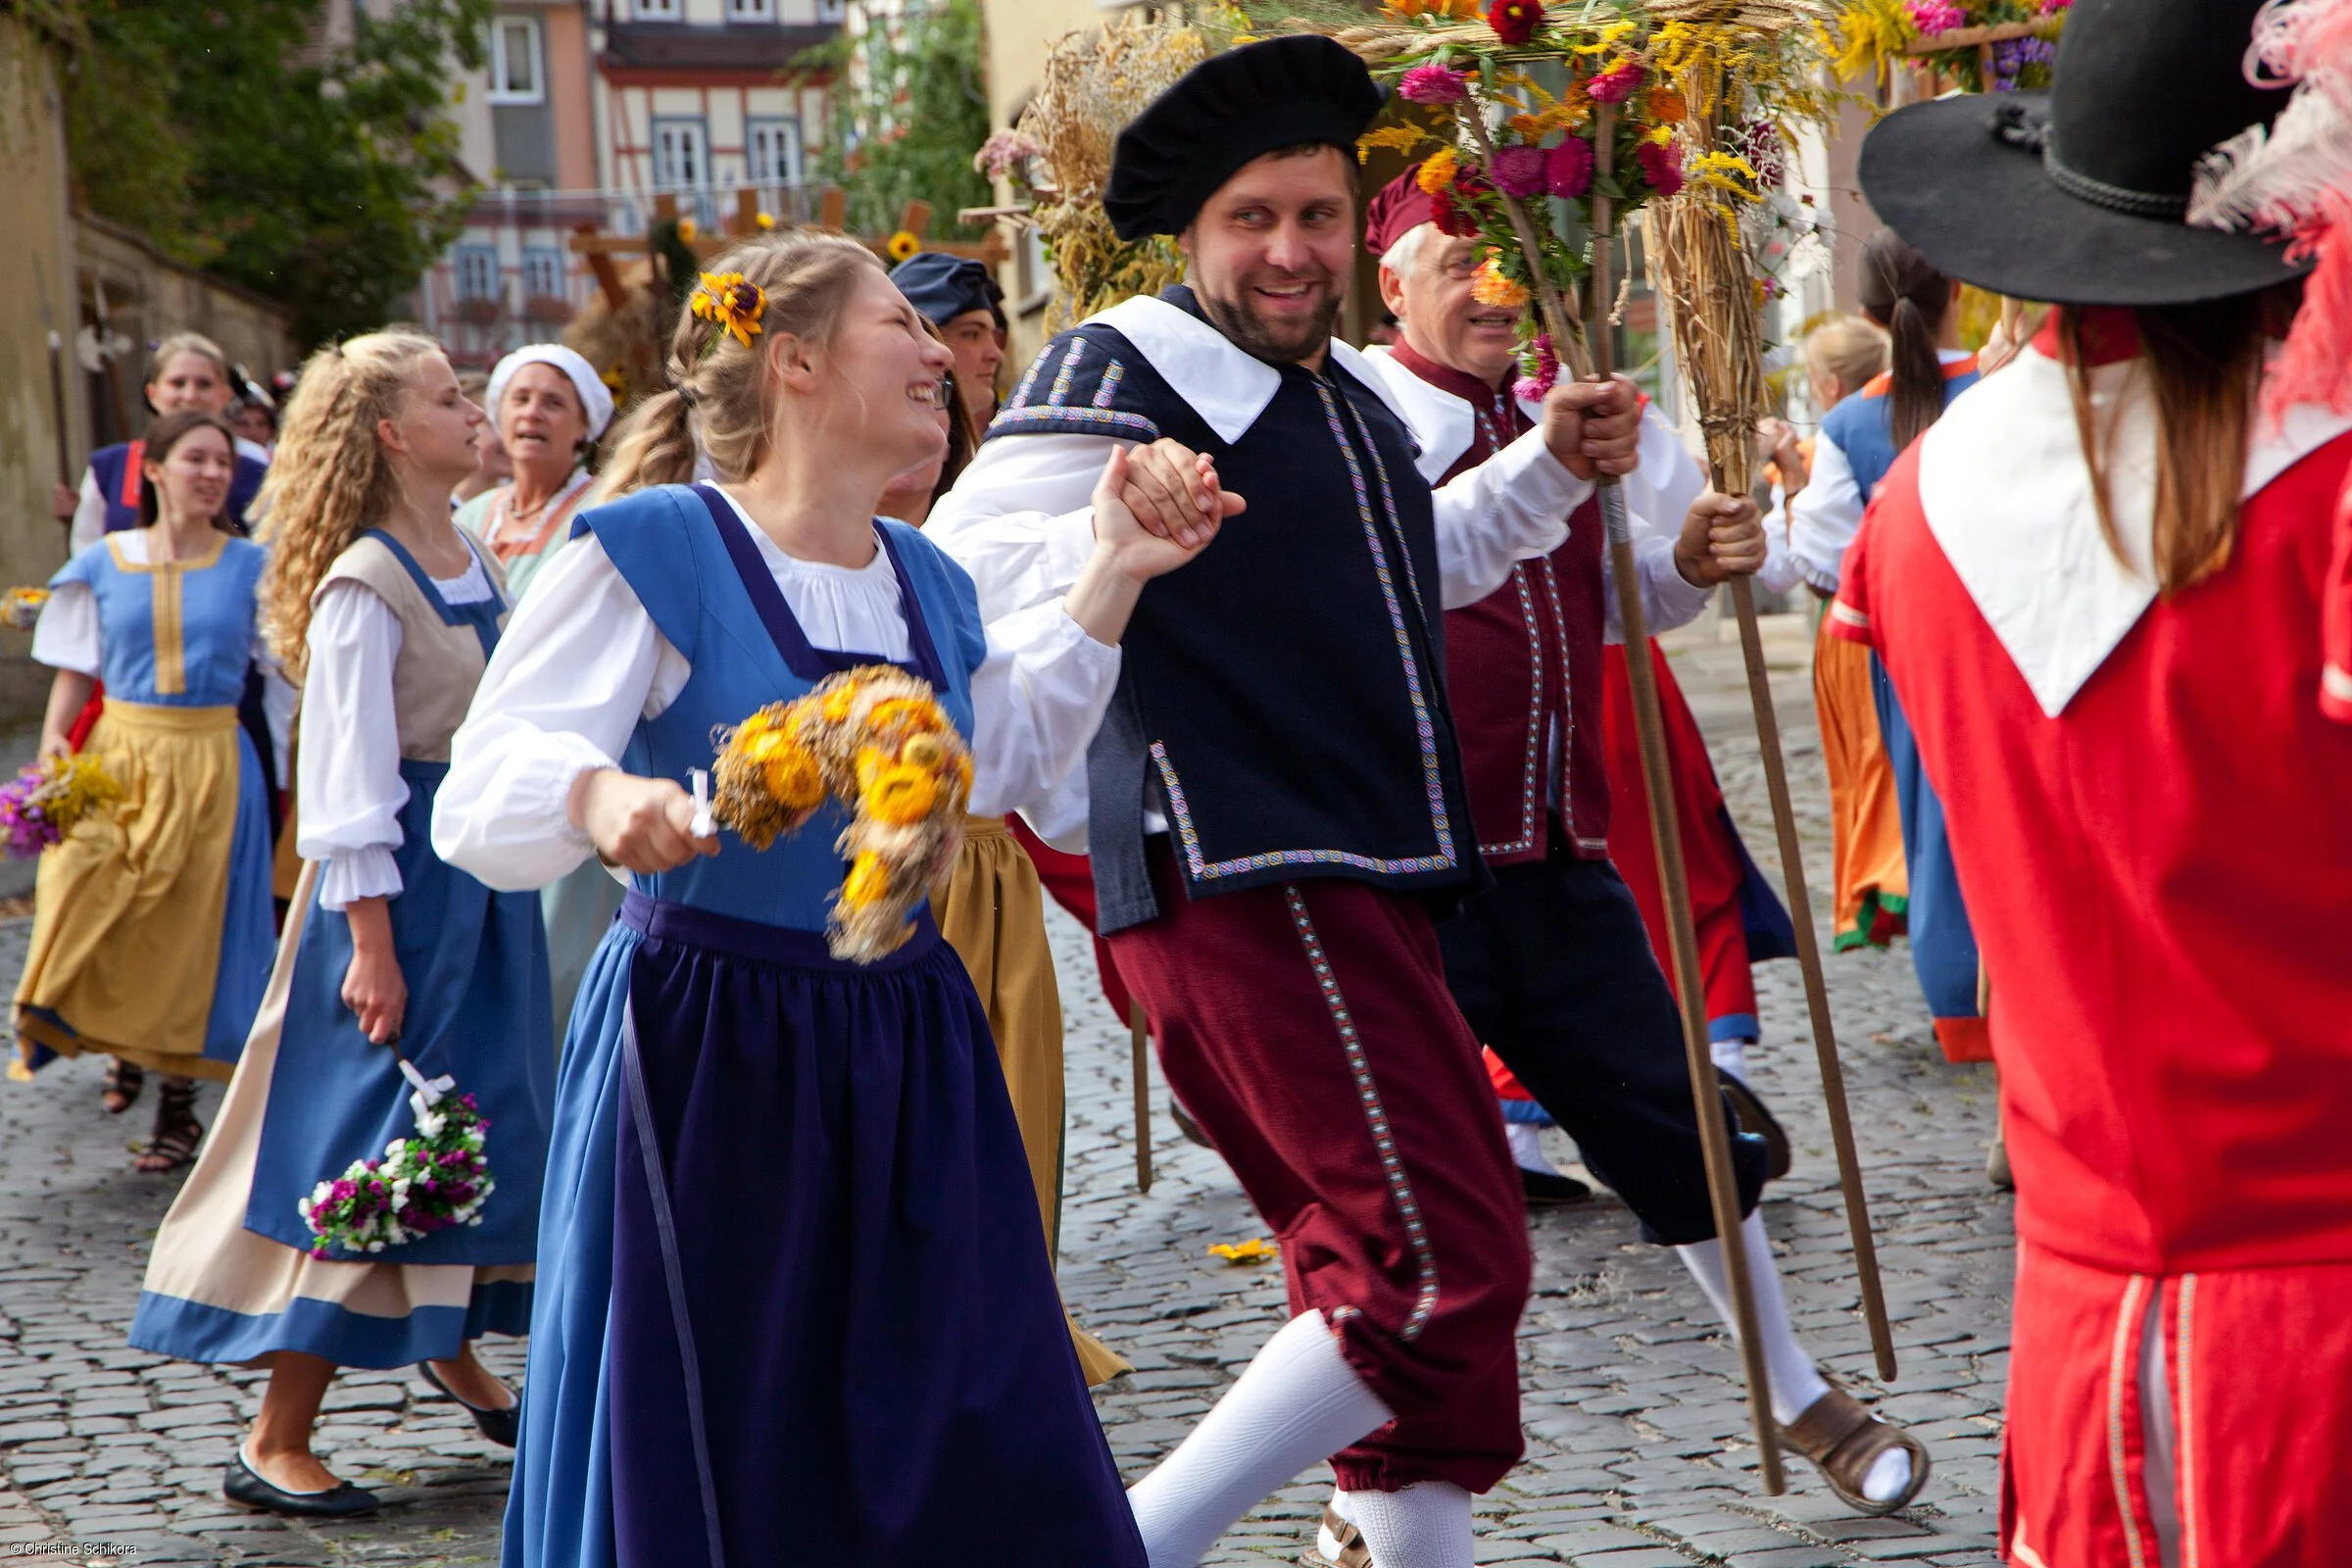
733, 301
875, 741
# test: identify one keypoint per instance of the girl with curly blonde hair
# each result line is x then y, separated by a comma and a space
393, 962
791, 1240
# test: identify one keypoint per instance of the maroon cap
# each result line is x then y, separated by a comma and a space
1401, 207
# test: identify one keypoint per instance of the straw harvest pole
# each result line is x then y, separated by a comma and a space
1703, 273
1715, 1143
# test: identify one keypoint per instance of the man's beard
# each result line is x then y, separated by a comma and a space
1284, 342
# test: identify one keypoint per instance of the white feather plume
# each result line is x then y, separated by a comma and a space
2271, 178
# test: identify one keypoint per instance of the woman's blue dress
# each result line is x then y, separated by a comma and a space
794, 1301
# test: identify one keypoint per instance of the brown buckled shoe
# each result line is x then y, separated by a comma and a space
1340, 1545
1843, 1440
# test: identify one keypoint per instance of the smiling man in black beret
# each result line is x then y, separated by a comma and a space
1274, 805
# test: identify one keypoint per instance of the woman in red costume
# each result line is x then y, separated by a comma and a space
2098, 586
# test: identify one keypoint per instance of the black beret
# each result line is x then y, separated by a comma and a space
1232, 107
944, 288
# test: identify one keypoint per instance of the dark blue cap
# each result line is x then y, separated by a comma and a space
944, 288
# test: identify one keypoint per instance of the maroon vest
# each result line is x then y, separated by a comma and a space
1525, 661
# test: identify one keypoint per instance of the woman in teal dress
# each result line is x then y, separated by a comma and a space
150, 933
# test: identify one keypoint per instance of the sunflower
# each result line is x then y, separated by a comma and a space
733, 301
902, 245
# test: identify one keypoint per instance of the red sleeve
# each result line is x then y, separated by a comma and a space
2335, 621
1850, 612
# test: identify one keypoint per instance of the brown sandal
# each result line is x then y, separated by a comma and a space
123, 1081
176, 1131
1843, 1440
1352, 1553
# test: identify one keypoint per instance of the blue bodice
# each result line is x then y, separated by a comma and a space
117, 470
1863, 426
692, 563
173, 633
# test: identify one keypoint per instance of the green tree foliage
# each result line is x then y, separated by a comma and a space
908, 111
323, 177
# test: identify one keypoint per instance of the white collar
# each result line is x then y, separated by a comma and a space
1442, 425
251, 449
2023, 532
1226, 386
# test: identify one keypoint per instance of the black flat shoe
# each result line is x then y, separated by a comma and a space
1190, 1128
501, 1426
241, 1484
1549, 1188
1754, 1118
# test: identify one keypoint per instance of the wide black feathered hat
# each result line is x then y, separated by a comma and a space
1232, 107
2079, 195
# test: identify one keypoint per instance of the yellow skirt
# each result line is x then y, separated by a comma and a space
1866, 819
128, 909
992, 910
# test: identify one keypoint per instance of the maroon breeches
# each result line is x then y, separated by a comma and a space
1308, 1030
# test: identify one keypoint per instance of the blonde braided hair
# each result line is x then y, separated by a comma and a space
716, 400
331, 479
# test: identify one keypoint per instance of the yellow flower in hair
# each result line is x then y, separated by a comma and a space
869, 881
899, 795
902, 245
687, 229
765, 219
733, 302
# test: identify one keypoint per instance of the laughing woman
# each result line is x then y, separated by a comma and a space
394, 611
151, 932
794, 1272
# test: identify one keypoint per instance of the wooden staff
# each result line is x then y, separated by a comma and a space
1139, 1068
1707, 281
1715, 1145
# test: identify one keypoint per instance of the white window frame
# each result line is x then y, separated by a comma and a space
500, 92
664, 167
659, 10
762, 172
829, 9
544, 264
466, 262
750, 10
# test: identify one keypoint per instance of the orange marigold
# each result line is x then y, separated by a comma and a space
1666, 106
1492, 287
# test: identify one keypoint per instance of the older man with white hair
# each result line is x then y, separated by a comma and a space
1552, 966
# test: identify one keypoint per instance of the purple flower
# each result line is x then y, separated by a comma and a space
1568, 169
1663, 167
1617, 83
1434, 84
1526, 389
1519, 171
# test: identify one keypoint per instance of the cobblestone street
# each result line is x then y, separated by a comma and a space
1639, 1454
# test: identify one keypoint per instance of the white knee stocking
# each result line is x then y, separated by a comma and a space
1426, 1525
1795, 1381
1299, 1403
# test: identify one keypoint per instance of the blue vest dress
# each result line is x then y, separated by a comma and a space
117, 472
211, 647
792, 1286
1943, 946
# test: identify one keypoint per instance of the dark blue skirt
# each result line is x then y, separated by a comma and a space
794, 1301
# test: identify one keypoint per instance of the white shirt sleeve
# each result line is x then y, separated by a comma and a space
1021, 518
281, 699
349, 787
1511, 508
579, 664
89, 515
1668, 599
1825, 515
65, 637
1780, 573
1037, 699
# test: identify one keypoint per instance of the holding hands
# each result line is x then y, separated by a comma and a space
1722, 538
1169, 492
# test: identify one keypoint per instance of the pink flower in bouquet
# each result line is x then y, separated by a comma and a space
1663, 167
1937, 15
1519, 171
1617, 83
1434, 84
1532, 388
1568, 169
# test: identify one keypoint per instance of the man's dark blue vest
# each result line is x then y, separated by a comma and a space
1282, 698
